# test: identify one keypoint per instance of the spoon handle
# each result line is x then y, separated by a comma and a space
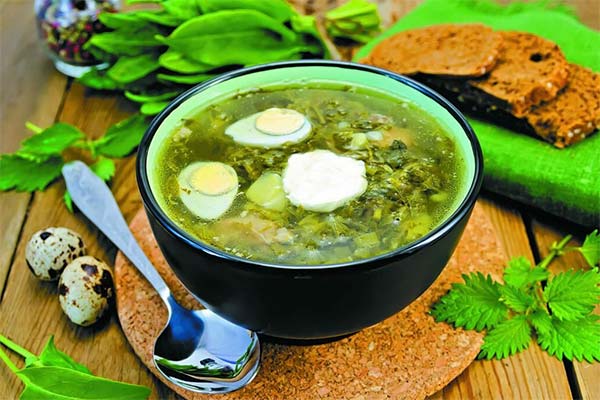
95, 200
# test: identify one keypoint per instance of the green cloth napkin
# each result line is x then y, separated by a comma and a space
563, 182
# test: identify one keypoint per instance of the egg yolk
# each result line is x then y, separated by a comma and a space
279, 121
212, 179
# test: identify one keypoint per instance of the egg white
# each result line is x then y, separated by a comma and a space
245, 132
202, 205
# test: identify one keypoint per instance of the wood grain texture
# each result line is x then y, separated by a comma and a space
30, 90
587, 376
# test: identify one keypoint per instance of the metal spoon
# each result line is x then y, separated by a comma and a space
197, 350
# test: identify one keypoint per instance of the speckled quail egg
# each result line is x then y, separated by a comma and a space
84, 290
270, 128
208, 188
322, 181
50, 250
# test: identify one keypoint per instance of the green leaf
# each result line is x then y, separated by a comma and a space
68, 200
52, 357
129, 43
104, 168
98, 80
26, 175
177, 62
184, 79
182, 9
507, 338
474, 304
279, 10
54, 382
591, 248
52, 140
356, 20
122, 138
147, 98
541, 320
573, 294
129, 69
579, 339
236, 20
153, 108
159, 17
122, 20
517, 299
520, 273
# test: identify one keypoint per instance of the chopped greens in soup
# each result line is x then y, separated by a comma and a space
309, 175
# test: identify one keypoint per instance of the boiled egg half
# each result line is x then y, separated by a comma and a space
208, 188
270, 128
322, 181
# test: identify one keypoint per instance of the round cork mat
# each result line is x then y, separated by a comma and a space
407, 356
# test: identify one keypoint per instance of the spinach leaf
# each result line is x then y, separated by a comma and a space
52, 357
153, 108
129, 69
159, 17
121, 138
98, 80
66, 383
129, 20
177, 62
184, 79
126, 43
183, 9
241, 48
149, 98
235, 20
279, 10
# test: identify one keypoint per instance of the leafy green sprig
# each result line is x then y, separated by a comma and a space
555, 310
40, 158
55, 375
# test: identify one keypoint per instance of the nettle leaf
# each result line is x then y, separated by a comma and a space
26, 175
579, 339
474, 304
65, 383
52, 357
541, 321
507, 338
520, 273
573, 294
51, 141
515, 298
122, 138
591, 248
104, 168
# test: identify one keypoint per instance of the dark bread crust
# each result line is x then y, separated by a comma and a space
530, 70
568, 118
469, 50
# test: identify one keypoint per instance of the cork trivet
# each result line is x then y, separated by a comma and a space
407, 356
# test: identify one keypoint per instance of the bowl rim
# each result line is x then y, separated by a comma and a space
433, 236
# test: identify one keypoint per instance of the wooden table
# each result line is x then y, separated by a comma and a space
32, 90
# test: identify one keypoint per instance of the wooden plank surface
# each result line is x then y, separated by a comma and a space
29, 311
30, 90
587, 376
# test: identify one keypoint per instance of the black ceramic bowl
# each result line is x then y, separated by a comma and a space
308, 302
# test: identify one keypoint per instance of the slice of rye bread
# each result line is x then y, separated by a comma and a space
529, 70
469, 50
566, 119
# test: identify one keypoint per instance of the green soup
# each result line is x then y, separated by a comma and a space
413, 170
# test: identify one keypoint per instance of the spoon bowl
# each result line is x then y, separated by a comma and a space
197, 349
